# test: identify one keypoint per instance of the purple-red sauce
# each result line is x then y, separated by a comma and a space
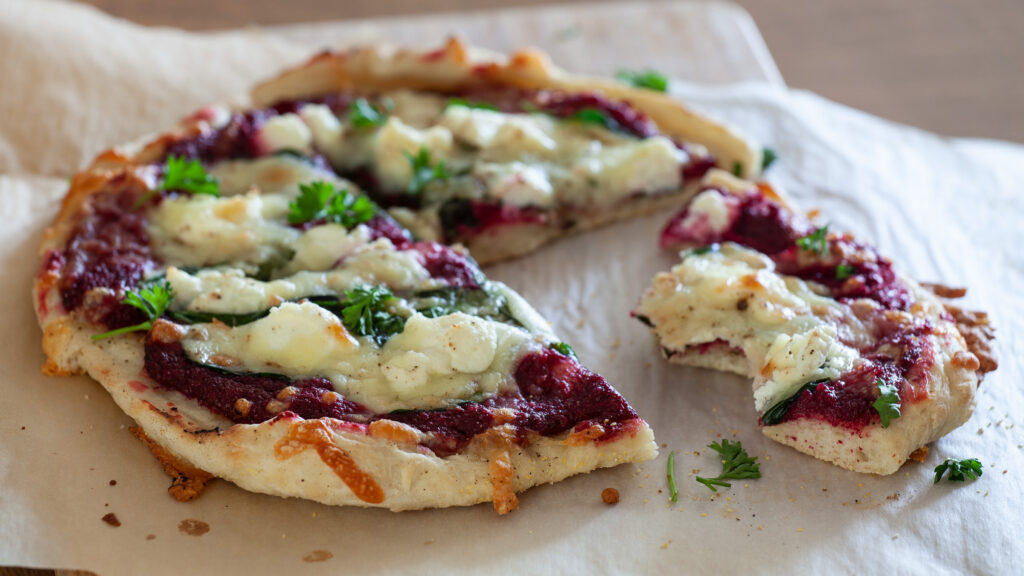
464, 218
556, 394
850, 269
108, 248
447, 264
221, 391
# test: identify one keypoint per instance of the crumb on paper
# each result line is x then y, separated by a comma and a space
317, 556
610, 496
111, 519
150, 536
193, 527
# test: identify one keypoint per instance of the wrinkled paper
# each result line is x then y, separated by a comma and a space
944, 209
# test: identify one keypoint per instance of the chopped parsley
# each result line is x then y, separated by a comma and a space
959, 470
816, 241
424, 171
181, 175
777, 412
768, 157
648, 79
319, 200
672, 491
363, 114
843, 271
152, 300
888, 403
736, 465
468, 104
594, 116
364, 312
564, 349
737, 169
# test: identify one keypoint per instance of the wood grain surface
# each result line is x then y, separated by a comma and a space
949, 66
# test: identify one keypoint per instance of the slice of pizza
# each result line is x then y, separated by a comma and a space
264, 323
852, 362
500, 154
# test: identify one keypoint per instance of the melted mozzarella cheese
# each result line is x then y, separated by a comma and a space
433, 363
787, 331
396, 141
521, 159
230, 291
284, 132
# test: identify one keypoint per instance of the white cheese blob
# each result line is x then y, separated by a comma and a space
502, 136
712, 209
204, 230
433, 363
321, 247
395, 140
517, 183
284, 132
787, 332
230, 291
642, 166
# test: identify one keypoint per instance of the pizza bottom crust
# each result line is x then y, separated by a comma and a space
409, 476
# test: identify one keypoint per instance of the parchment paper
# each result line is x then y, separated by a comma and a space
946, 210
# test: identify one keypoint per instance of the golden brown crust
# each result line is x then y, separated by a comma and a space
188, 481
975, 327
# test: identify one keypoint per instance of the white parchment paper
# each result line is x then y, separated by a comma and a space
945, 210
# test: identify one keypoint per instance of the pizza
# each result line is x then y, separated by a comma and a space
285, 293
852, 362
500, 155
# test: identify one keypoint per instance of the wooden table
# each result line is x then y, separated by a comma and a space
949, 66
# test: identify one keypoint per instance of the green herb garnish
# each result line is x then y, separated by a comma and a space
152, 300
362, 114
320, 201
777, 412
644, 79
737, 169
468, 104
736, 465
768, 157
594, 116
959, 470
424, 171
365, 313
888, 403
843, 271
564, 349
672, 491
181, 175
816, 241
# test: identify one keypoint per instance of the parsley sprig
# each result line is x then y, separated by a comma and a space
424, 170
564, 349
672, 491
319, 200
648, 79
363, 114
153, 301
736, 465
181, 175
594, 116
844, 271
365, 313
888, 402
768, 157
816, 241
959, 470
470, 104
